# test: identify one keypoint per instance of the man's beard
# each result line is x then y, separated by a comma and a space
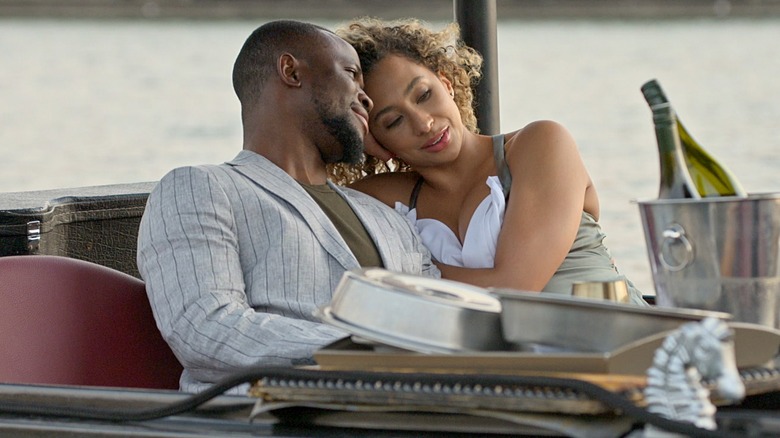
341, 128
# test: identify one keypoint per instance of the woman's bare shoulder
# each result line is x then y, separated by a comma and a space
538, 130
388, 187
544, 136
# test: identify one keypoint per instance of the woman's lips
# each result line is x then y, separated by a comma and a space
438, 142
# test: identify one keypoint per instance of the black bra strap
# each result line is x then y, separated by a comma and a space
415, 193
503, 170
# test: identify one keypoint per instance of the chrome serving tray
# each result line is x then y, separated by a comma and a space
415, 313
582, 324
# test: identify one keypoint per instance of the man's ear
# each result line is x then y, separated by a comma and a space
288, 68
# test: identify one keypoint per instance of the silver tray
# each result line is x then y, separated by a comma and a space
415, 313
583, 324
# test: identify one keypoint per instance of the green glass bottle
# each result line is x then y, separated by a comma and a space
709, 177
676, 182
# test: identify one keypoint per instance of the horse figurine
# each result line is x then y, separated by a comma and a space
695, 351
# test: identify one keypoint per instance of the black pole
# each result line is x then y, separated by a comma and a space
477, 21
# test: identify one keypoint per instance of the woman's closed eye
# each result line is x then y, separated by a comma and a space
395, 122
424, 96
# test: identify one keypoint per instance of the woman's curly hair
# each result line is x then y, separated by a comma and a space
442, 52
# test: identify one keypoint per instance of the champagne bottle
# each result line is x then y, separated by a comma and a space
709, 177
676, 182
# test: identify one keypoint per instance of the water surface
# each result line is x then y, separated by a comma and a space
91, 102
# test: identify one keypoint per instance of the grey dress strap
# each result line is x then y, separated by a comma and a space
501, 167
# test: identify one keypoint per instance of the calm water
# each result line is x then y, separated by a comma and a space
89, 103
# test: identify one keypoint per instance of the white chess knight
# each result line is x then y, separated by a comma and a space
695, 351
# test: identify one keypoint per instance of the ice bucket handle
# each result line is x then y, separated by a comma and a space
671, 259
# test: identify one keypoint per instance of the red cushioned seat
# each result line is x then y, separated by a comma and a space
72, 322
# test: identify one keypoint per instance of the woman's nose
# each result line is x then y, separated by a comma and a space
423, 122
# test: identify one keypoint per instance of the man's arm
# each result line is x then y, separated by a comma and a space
188, 255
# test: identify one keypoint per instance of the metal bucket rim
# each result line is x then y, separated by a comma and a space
715, 199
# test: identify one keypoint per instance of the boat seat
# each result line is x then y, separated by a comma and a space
65, 321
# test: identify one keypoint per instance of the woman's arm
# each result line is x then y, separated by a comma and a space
372, 147
390, 187
549, 184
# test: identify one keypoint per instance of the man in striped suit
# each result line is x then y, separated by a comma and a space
237, 256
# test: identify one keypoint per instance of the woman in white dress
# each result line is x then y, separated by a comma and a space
516, 210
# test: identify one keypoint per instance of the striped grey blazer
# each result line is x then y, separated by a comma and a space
237, 256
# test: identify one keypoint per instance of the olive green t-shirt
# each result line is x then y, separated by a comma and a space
347, 223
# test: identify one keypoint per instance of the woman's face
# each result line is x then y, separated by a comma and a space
414, 115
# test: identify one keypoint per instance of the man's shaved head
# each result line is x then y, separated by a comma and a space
256, 61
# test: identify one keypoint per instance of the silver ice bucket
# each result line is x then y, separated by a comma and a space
719, 254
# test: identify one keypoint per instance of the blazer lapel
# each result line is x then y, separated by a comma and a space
376, 223
274, 180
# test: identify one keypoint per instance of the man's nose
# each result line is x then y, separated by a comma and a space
365, 100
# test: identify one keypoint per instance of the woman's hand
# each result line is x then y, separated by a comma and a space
372, 147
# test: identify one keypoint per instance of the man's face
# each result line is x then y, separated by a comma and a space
340, 126
340, 103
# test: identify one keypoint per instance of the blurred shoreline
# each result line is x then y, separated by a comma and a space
431, 10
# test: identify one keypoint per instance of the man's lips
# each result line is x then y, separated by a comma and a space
363, 116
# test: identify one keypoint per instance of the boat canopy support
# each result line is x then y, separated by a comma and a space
478, 26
